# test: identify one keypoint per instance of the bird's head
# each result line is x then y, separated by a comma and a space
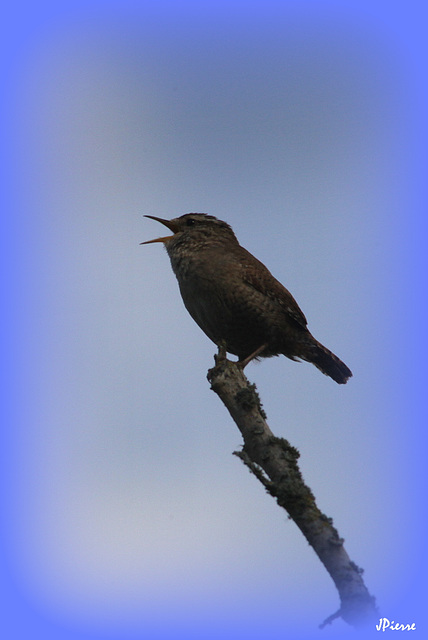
198, 226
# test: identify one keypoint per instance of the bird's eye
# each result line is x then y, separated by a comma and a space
190, 222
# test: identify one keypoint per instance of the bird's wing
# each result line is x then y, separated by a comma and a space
255, 274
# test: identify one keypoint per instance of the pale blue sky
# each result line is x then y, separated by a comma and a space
292, 125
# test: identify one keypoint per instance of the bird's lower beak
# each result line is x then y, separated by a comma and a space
172, 226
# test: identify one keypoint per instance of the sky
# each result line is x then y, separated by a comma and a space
302, 125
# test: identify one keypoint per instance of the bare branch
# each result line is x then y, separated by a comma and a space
274, 463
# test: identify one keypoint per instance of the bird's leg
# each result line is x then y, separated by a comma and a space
243, 363
221, 355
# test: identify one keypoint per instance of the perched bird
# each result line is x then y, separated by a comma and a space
235, 299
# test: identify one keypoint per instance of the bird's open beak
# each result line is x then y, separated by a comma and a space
172, 226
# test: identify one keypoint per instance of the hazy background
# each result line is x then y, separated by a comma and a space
296, 122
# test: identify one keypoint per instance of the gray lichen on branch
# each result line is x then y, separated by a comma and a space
273, 461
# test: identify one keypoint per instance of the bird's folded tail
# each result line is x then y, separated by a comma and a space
326, 361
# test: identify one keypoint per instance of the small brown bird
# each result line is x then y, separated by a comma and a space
235, 299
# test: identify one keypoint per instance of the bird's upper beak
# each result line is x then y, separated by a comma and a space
172, 226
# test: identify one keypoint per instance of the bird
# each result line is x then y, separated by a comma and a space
235, 299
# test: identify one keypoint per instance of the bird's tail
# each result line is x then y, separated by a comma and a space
326, 361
